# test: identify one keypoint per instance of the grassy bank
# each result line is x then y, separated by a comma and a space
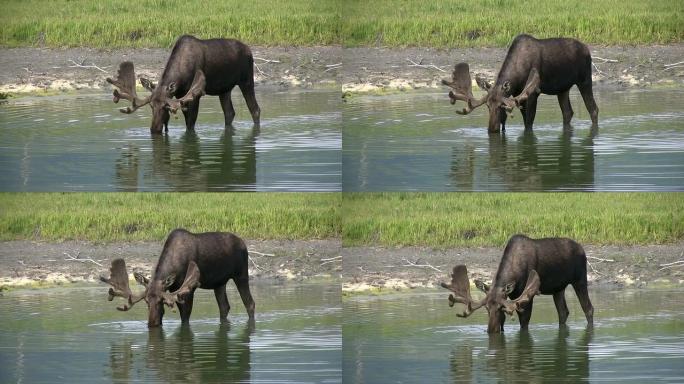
489, 219
437, 23
105, 217
157, 23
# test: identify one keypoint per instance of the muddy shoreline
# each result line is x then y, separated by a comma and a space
359, 269
353, 70
45, 264
377, 269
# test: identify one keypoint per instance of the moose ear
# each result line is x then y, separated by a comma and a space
169, 281
509, 288
171, 88
506, 87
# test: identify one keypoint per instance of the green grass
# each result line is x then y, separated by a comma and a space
436, 23
488, 219
456, 23
157, 23
107, 217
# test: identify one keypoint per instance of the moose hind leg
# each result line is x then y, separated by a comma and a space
246, 296
589, 102
185, 308
222, 301
525, 315
583, 296
191, 114
227, 106
561, 307
566, 107
248, 93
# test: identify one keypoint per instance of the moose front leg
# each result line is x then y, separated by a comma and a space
561, 307
185, 308
525, 315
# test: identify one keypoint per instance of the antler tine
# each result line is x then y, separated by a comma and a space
125, 82
461, 84
118, 279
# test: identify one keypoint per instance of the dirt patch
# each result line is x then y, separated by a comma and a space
353, 70
27, 263
370, 268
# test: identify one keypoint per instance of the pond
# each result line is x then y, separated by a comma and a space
415, 141
83, 143
75, 335
638, 337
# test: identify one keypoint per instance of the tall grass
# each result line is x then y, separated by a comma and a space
106, 217
456, 23
157, 23
438, 23
489, 219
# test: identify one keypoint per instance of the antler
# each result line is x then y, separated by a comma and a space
460, 285
461, 84
196, 90
191, 282
531, 86
125, 82
531, 289
118, 279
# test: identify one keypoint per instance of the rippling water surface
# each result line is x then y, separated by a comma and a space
82, 143
416, 141
416, 338
74, 335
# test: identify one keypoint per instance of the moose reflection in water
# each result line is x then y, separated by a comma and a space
190, 164
511, 358
185, 357
525, 163
528, 267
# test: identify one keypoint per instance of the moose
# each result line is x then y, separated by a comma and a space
528, 267
195, 68
532, 66
187, 262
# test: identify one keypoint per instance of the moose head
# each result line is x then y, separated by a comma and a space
496, 301
498, 97
155, 293
161, 97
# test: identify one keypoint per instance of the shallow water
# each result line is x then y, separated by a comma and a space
82, 143
75, 335
416, 142
638, 337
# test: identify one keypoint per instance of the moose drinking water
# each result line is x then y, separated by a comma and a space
531, 67
528, 267
188, 261
195, 68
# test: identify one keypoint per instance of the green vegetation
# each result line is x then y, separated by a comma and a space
437, 23
105, 217
489, 219
157, 23
455, 23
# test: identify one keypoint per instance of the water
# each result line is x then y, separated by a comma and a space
82, 143
416, 338
75, 335
416, 142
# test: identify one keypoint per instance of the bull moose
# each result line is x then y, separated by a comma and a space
187, 262
532, 66
195, 68
528, 267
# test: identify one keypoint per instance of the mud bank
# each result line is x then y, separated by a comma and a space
353, 70
28, 263
370, 269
